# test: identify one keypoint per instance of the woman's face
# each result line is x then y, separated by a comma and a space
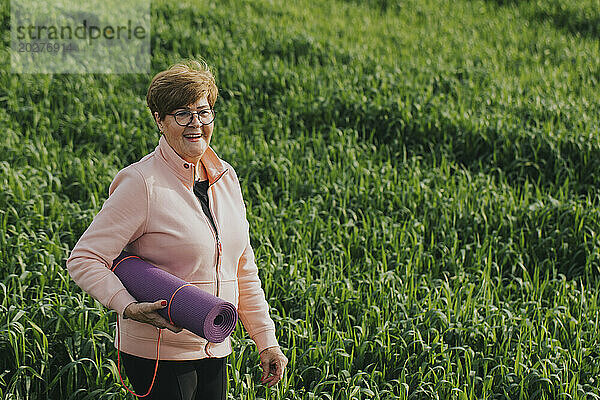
190, 141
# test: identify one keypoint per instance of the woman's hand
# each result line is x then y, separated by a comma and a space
146, 312
273, 363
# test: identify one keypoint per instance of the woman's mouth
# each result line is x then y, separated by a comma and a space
193, 136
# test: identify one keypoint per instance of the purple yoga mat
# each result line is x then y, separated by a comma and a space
188, 306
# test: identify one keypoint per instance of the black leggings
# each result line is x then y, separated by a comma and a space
178, 380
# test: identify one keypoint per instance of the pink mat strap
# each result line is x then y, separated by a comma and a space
171, 301
120, 261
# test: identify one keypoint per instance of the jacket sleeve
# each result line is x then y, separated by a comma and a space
253, 308
121, 220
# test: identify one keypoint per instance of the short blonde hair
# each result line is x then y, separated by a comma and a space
182, 84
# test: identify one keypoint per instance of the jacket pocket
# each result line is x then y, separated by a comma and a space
229, 291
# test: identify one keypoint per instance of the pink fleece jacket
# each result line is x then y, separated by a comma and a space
153, 212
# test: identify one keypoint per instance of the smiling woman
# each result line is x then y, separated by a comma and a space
186, 131
189, 132
179, 208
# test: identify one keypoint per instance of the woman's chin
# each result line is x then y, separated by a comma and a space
195, 150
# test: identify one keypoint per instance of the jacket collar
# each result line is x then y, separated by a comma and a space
185, 171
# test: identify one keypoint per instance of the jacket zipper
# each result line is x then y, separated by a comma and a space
217, 237
218, 264
215, 231
219, 247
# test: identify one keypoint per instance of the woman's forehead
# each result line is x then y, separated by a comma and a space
200, 103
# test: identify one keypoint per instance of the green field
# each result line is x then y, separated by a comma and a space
422, 183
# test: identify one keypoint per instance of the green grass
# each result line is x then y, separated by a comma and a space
421, 183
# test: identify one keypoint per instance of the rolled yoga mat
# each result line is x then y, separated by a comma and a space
188, 306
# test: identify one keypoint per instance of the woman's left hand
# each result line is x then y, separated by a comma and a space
273, 363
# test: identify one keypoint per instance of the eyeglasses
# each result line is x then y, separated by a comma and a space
185, 117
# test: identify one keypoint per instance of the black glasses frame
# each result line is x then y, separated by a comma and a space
192, 114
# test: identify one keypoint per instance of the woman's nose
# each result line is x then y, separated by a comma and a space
195, 122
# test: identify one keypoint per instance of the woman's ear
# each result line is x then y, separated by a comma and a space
158, 122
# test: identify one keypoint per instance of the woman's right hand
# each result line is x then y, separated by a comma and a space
147, 313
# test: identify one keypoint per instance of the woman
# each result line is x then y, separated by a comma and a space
181, 209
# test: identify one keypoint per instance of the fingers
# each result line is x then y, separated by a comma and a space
147, 313
157, 305
264, 364
276, 372
158, 320
273, 363
162, 323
